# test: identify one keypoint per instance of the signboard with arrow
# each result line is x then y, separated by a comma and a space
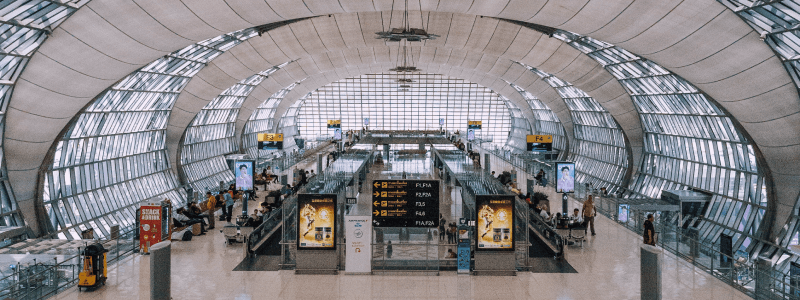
405, 203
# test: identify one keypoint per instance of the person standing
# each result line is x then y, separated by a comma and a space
442, 221
228, 206
649, 231
389, 249
589, 213
211, 205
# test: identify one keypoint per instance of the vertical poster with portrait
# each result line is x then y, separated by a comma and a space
565, 177
470, 134
622, 213
495, 226
337, 134
366, 121
243, 169
316, 222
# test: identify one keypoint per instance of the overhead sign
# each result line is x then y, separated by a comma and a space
358, 258
540, 143
495, 230
474, 124
270, 141
334, 123
405, 203
316, 222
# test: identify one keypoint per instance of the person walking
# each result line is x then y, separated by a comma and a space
589, 213
649, 231
228, 206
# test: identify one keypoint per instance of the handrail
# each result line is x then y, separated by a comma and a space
548, 234
42, 280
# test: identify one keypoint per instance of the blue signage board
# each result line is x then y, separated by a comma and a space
464, 244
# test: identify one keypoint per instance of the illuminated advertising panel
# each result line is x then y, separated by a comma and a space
565, 177
244, 175
495, 224
316, 222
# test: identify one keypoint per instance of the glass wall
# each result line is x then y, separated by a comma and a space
262, 121
545, 120
777, 22
599, 150
24, 25
113, 156
212, 135
391, 102
689, 142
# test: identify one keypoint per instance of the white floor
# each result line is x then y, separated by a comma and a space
608, 268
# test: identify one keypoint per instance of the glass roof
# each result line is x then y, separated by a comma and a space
113, 155
24, 25
599, 149
262, 120
689, 142
395, 105
546, 122
212, 134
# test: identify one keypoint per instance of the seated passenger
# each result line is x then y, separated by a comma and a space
450, 254
254, 220
577, 219
181, 220
545, 216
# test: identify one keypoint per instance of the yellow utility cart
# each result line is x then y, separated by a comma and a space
95, 269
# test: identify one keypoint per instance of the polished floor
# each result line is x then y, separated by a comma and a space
607, 266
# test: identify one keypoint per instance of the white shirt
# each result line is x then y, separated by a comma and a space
544, 215
577, 219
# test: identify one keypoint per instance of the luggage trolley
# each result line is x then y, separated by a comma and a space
95, 269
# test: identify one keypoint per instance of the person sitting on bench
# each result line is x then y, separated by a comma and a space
182, 220
577, 220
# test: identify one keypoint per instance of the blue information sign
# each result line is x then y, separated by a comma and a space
464, 244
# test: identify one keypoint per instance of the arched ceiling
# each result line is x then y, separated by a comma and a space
348, 48
700, 41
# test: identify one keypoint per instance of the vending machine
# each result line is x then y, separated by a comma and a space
155, 220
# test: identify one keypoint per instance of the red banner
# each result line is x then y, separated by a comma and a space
149, 227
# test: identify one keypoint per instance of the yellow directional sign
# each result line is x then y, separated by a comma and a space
376, 194
270, 137
539, 138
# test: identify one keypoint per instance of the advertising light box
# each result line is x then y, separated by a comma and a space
495, 226
244, 175
565, 177
316, 222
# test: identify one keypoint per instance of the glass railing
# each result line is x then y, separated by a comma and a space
43, 279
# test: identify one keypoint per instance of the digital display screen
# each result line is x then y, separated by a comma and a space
244, 175
540, 147
470, 134
316, 222
337, 134
405, 203
622, 213
565, 177
495, 223
441, 121
270, 141
366, 121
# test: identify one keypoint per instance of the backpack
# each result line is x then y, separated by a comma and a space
187, 235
